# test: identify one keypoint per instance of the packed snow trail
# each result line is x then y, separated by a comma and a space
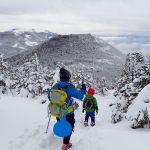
23, 123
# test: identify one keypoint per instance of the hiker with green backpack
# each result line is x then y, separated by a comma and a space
61, 104
90, 106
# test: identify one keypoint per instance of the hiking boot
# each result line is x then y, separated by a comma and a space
64, 147
92, 124
85, 123
69, 145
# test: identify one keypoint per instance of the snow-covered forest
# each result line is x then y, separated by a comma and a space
32, 80
126, 101
132, 92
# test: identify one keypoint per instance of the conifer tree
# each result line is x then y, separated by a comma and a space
134, 78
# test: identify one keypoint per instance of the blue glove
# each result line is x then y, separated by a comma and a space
83, 87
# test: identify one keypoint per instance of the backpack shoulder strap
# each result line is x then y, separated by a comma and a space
87, 99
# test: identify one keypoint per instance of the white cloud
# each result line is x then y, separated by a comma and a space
133, 47
77, 16
113, 38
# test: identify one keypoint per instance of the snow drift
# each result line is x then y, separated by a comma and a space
139, 111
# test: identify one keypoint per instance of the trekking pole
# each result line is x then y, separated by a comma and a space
48, 124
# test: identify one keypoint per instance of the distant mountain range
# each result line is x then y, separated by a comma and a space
77, 51
16, 41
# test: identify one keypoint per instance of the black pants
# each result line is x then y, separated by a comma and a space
87, 118
70, 118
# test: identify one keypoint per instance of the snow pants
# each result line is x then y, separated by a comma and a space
70, 118
91, 115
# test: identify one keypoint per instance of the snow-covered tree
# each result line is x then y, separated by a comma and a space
33, 79
139, 111
102, 87
135, 77
133, 62
78, 76
5, 73
83, 76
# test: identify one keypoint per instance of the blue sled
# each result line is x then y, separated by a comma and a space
62, 128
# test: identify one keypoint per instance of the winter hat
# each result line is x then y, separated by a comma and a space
91, 91
64, 75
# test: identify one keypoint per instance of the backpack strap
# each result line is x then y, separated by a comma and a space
93, 102
90, 99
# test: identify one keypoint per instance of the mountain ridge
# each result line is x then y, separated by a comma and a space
76, 51
17, 41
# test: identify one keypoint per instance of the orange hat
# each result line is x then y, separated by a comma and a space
91, 91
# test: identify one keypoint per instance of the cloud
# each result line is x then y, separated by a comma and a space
77, 16
112, 17
114, 38
133, 47
129, 43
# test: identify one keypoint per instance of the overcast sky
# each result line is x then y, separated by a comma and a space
77, 16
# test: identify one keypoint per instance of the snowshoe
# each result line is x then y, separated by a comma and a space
92, 124
85, 123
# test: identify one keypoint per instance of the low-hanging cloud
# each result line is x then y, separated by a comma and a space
126, 47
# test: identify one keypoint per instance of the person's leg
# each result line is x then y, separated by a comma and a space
93, 119
86, 117
66, 140
70, 118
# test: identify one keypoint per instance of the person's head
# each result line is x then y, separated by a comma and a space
91, 91
64, 75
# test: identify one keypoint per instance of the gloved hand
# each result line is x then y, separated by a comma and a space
75, 105
83, 87
83, 111
96, 112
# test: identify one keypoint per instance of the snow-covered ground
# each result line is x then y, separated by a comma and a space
23, 123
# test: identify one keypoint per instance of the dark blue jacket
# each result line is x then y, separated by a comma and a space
71, 92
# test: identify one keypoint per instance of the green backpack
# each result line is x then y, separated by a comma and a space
89, 105
58, 106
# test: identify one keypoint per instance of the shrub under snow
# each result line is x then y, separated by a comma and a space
135, 77
139, 111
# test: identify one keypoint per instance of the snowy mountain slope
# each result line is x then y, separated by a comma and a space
76, 51
16, 40
23, 124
